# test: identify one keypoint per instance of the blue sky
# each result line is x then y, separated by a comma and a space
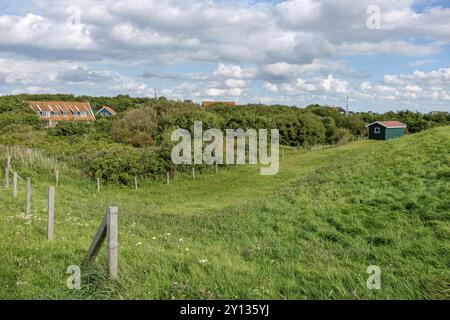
292, 52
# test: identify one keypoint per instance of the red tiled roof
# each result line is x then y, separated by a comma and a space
207, 104
58, 108
389, 124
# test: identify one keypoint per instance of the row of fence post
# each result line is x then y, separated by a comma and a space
98, 181
108, 230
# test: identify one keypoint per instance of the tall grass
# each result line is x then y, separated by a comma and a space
308, 233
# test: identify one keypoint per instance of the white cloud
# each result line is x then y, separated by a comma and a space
334, 85
234, 72
392, 79
294, 31
271, 87
303, 85
129, 86
417, 88
235, 83
390, 47
36, 31
216, 92
33, 90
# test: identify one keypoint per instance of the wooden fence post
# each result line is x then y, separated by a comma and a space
7, 177
112, 246
15, 185
108, 229
193, 173
168, 177
98, 184
51, 213
7, 171
28, 206
135, 183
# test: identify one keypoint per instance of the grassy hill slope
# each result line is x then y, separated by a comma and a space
309, 232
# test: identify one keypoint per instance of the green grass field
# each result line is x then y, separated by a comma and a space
309, 232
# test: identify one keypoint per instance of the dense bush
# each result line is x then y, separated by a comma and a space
353, 123
137, 127
122, 165
18, 117
14, 103
71, 128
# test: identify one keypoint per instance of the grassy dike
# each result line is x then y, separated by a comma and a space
309, 232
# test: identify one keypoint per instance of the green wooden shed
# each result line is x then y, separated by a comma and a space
385, 130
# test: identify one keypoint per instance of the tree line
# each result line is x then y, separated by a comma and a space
137, 141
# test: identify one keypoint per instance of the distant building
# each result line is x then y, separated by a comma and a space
106, 111
386, 130
338, 109
54, 112
435, 113
207, 104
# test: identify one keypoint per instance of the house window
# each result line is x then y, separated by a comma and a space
377, 130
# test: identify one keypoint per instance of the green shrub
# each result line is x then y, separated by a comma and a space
137, 127
18, 117
71, 128
122, 164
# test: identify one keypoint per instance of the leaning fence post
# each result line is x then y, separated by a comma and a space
28, 207
108, 229
98, 184
51, 213
15, 185
111, 241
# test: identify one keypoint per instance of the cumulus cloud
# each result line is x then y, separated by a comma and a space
127, 85
416, 86
271, 87
234, 71
285, 49
294, 31
82, 74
